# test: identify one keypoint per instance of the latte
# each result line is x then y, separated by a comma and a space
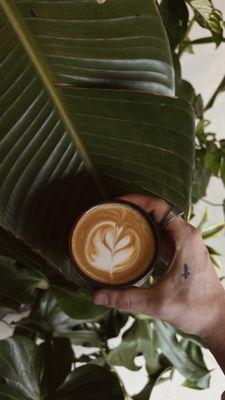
113, 243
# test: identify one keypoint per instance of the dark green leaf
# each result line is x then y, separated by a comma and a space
186, 91
146, 392
20, 368
154, 379
58, 145
58, 357
198, 106
9, 393
111, 323
18, 283
76, 304
50, 320
213, 251
175, 17
175, 353
139, 339
90, 381
222, 169
194, 351
8, 306
192, 338
213, 158
201, 177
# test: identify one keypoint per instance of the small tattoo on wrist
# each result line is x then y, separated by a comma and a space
185, 272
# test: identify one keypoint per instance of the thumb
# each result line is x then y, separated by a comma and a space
144, 301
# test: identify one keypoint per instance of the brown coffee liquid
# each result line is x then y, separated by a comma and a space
113, 243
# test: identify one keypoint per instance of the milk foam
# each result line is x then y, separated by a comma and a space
109, 246
113, 243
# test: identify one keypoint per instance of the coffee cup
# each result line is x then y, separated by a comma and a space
114, 244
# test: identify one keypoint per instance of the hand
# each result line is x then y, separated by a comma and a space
189, 295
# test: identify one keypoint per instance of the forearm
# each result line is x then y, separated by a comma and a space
215, 337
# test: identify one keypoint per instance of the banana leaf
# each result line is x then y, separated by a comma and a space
87, 113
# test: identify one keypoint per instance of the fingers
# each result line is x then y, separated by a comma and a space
145, 301
160, 209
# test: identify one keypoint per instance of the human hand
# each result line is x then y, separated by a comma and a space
192, 302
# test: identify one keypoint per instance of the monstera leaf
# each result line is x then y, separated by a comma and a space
86, 113
26, 373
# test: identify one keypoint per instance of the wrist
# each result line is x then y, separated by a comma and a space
214, 334
216, 322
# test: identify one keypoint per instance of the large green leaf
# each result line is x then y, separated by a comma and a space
50, 320
155, 378
58, 357
18, 283
21, 372
128, 141
195, 352
76, 304
176, 354
9, 393
90, 380
139, 339
21, 369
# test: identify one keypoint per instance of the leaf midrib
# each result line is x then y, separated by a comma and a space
42, 70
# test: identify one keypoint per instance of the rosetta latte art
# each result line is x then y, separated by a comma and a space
113, 243
110, 246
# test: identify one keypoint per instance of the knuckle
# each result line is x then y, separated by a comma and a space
120, 300
195, 233
125, 301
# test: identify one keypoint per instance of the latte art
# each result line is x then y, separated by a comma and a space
113, 243
110, 246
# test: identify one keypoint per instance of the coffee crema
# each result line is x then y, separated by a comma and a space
113, 243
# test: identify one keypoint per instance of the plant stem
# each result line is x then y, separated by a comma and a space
203, 40
212, 204
184, 45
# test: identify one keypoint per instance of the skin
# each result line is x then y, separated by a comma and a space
190, 295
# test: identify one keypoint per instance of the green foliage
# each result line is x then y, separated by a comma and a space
140, 339
32, 376
90, 134
21, 368
186, 364
175, 17
18, 283
208, 17
88, 112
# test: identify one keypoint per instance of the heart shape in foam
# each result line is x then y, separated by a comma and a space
109, 246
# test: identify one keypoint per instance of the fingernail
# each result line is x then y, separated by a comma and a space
101, 299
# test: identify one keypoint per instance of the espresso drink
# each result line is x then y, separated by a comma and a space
113, 243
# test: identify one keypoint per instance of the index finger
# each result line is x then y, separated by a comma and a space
158, 207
